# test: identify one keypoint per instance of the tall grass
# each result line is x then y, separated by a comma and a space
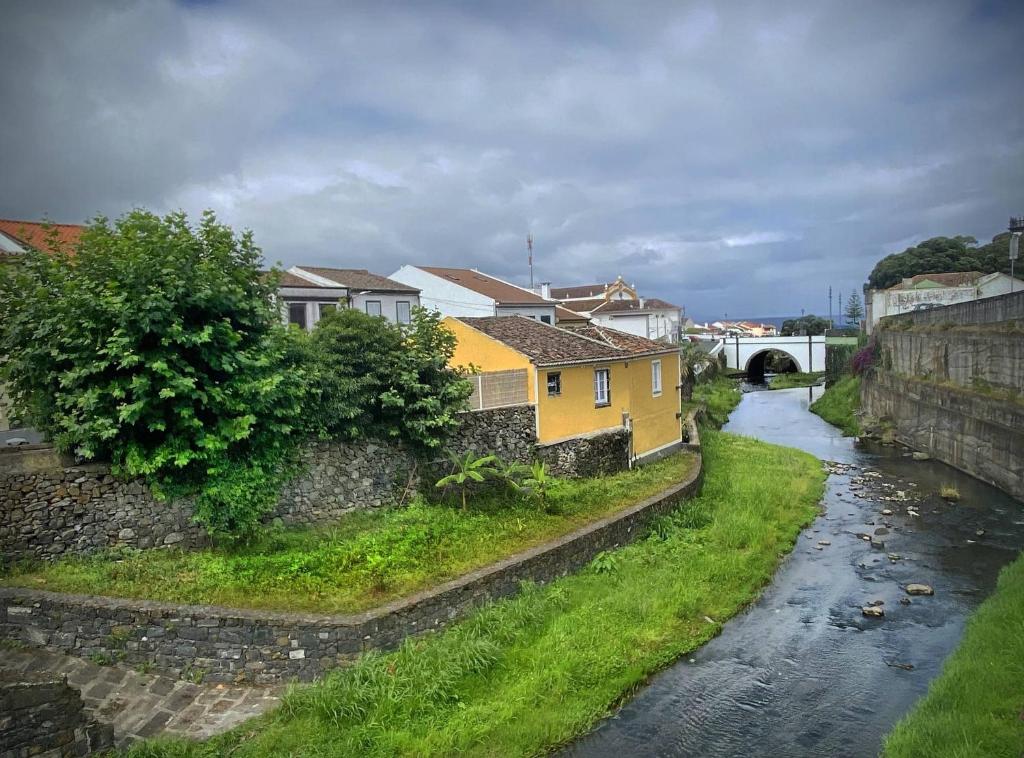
529, 673
976, 706
795, 379
719, 397
839, 403
370, 557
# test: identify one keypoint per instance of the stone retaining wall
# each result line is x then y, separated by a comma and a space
40, 715
989, 310
223, 644
51, 507
964, 357
977, 434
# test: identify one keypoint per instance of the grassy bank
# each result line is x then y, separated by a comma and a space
839, 404
719, 397
531, 672
795, 379
976, 706
370, 557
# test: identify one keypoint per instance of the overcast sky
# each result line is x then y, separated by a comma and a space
730, 157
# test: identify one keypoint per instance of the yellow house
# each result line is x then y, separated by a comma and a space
583, 379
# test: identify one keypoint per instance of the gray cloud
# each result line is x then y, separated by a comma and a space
729, 157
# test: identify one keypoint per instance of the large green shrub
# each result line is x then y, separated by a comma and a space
157, 346
370, 377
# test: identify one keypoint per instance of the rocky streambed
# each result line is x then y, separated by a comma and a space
853, 626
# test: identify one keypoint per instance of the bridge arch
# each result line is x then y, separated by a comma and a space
755, 366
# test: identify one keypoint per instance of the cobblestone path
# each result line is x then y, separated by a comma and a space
145, 705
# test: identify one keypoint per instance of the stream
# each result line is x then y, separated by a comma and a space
803, 672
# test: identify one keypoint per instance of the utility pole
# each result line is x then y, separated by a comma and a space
842, 321
529, 248
830, 323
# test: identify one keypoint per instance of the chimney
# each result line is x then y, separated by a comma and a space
545, 290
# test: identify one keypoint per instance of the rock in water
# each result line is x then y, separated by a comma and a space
873, 611
918, 456
919, 589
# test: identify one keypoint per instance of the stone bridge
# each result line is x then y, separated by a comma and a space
749, 353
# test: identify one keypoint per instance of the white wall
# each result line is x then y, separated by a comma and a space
388, 302
530, 311
654, 325
437, 293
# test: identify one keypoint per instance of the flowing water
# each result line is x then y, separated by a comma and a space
803, 672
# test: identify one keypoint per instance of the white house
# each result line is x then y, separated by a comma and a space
468, 292
932, 290
307, 292
618, 306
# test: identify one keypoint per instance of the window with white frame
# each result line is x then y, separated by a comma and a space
656, 378
403, 311
326, 308
373, 307
602, 387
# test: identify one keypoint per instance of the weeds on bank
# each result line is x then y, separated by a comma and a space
949, 492
369, 557
795, 379
525, 674
839, 404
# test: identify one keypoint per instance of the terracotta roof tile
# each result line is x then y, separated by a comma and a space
37, 234
583, 306
947, 279
554, 346
566, 315
579, 291
501, 292
359, 279
631, 343
650, 304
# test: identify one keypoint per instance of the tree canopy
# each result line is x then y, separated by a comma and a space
942, 255
157, 346
809, 324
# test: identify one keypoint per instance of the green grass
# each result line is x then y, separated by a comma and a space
525, 674
369, 558
839, 404
976, 706
719, 397
795, 379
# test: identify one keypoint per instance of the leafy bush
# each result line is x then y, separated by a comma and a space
157, 346
371, 377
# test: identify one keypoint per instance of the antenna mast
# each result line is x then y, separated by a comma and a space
529, 248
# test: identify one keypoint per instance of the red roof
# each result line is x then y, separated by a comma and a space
38, 234
501, 292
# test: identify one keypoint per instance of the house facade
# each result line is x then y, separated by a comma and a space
618, 306
582, 381
308, 292
933, 290
466, 292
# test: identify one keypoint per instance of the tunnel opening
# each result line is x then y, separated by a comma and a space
769, 362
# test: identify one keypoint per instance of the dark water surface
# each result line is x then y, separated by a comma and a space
803, 672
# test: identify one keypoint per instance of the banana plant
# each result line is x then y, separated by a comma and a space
538, 483
467, 469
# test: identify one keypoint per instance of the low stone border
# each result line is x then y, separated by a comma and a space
235, 645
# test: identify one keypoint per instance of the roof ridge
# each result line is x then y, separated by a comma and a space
42, 223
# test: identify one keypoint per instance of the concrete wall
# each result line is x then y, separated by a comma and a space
990, 310
40, 715
977, 434
230, 645
388, 302
966, 358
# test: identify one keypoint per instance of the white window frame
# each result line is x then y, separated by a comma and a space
323, 308
656, 378
378, 303
408, 312
602, 390
305, 315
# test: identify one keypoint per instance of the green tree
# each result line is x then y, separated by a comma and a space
157, 346
809, 324
372, 377
854, 309
941, 255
